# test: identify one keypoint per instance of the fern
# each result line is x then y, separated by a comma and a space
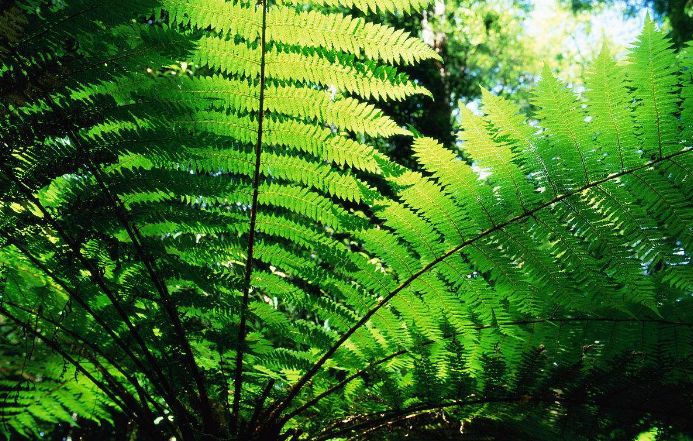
149, 178
574, 230
203, 227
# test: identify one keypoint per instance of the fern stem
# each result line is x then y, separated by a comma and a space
94, 347
124, 402
295, 389
97, 279
141, 392
164, 294
391, 416
238, 377
341, 384
360, 372
77, 299
162, 386
260, 403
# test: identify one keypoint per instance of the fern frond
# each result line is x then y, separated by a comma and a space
532, 221
653, 71
609, 105
564, 120
368, 6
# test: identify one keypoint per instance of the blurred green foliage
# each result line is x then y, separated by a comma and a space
678, 13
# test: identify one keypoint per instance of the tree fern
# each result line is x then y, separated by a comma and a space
221, 248
149, 168
539, 249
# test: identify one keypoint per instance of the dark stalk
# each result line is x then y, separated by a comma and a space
163, 388
340, 385
122, 398
96, 277
164, 295
261, 403
94, 273
394, 415
360, 372
238, 377
95, 349
74, 296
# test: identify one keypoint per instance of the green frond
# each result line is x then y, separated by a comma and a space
568, 217
494, 159
610, 106
38, 391
286, 25
510, 125
343, 72
426, 198
563, 119
653, 71
458, 178
686, 60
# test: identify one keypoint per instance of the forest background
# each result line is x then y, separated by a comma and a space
503, 45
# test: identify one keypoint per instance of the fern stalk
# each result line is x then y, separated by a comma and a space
121, 398
391, 416
94, 274
261, 403
336, 387
388, 417
77, 338
238, 374
163, 386
164, 295
299, 410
